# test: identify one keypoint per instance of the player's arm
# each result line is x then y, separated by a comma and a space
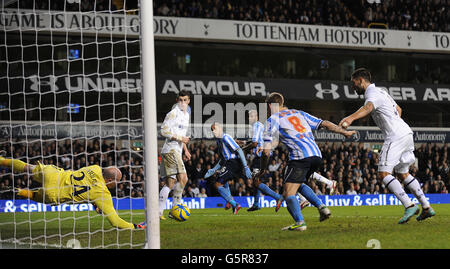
106, 206
186, 151
399, 110
336, 129
167, 129
249, 146
257, 132
360, 113
213, 170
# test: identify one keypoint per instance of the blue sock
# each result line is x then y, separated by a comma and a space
294, 208
309, 194
227, 187
256, 198
225, 193
268, 191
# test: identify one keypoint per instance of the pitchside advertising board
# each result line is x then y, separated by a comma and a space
175, 28
11, 206
134, 132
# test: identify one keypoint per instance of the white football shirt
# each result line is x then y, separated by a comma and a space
175, 123
385, 114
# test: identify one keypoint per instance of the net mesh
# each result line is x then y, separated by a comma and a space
70, 96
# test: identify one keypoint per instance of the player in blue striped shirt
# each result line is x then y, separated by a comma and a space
257, 141
232, 164
294, 128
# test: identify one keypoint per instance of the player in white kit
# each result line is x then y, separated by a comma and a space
397, 153
172, 170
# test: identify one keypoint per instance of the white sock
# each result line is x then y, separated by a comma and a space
302, 199
396, 188
321, 179
177, 193
414, 186
163, 195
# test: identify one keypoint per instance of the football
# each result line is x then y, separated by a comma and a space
180, 212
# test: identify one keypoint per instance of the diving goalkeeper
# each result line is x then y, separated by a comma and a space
89, 184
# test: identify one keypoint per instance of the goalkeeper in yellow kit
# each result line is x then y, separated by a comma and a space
88, 184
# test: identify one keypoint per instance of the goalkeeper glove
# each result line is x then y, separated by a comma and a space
140, 226
98, 210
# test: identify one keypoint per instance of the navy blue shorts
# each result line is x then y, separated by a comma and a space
298, 171
232, 169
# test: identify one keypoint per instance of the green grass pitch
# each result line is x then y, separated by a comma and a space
348, 228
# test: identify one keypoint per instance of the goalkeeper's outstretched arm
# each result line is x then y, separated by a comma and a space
105, 206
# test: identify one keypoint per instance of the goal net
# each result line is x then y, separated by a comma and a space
70, 97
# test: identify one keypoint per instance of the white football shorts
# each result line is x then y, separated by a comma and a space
397, 155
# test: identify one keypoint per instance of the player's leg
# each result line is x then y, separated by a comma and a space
181, 177
256, 199
256, 191
164, 195
168, 170
331, 184
224, 191
388, 159
412, 183
16, 165
396, 188
179, 187
226, 174
310, 165
293, 207
303, 201
19, 166
262, 187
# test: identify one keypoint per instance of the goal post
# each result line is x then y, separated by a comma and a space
73, 94
150, 124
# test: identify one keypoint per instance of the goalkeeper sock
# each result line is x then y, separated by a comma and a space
413, 185
268, 191
309, 194
163, 195
294, 208
396, 188
225, 193
15, 165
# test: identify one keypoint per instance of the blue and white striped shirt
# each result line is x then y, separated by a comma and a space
227, 147
257, 136
294, 128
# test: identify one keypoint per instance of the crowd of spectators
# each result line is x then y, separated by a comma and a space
410, 15
79, 5
414, 15
351, 165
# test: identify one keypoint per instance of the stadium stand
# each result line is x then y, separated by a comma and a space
427, 15
413, 15
349, 164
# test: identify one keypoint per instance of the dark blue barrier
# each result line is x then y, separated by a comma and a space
218, 202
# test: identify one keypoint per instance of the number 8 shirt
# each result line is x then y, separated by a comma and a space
294, 128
